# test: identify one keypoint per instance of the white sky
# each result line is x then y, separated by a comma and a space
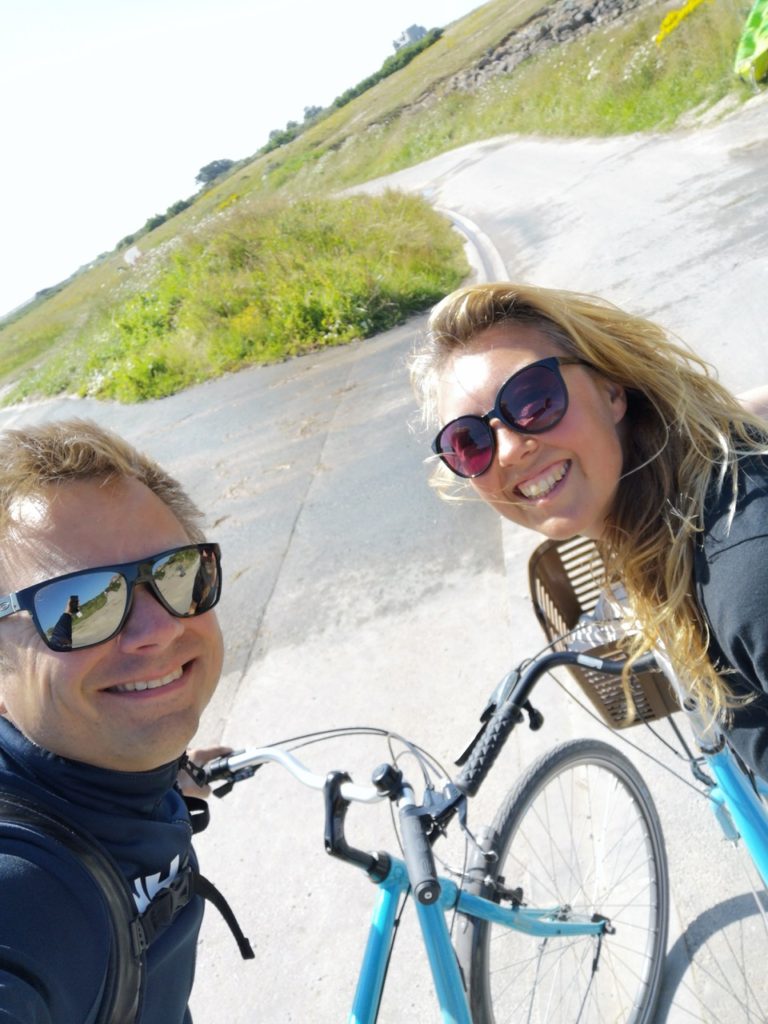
111, 107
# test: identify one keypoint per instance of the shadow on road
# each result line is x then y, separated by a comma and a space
722, 928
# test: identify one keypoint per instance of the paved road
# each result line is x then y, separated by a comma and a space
355, 597
672, 226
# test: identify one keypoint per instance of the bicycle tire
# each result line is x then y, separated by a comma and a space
580, 829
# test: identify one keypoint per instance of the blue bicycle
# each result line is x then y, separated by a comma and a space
560, 910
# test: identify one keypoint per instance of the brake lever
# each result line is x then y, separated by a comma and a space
229, 780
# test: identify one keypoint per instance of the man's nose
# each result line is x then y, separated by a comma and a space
148, 623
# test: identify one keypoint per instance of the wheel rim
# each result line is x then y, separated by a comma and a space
580, 840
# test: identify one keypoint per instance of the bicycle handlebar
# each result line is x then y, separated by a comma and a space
415, 832
418, 853
245, 762
509, 711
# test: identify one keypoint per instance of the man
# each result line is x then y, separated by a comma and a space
93, 723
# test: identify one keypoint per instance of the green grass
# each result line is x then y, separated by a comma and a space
261, 286
263, 265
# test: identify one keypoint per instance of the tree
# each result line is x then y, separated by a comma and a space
213, 170
178, 207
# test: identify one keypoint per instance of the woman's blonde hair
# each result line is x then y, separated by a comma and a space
35, 457
685, 432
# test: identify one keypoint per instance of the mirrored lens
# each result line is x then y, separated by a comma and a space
89, 607
534, 400
466, 445
81, 610
187, 580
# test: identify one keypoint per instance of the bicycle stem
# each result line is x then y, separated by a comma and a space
417, 850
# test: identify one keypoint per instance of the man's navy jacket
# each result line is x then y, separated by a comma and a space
54, 928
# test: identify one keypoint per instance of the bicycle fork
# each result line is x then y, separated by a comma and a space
445, 970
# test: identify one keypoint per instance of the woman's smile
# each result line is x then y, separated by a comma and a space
543, 484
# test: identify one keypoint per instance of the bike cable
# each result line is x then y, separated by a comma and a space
634, 746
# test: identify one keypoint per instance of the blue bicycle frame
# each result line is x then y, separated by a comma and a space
738, 800
739, 808
446, 975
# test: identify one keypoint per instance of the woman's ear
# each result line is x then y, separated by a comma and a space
617, 397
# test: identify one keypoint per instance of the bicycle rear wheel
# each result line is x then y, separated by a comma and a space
579, 831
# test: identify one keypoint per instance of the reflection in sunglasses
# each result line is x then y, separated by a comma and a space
89, 607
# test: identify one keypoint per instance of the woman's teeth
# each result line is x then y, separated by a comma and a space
544, 484
153, 684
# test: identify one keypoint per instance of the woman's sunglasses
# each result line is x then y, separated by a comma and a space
89, 607
532, 401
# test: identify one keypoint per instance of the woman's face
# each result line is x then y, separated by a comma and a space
559, 483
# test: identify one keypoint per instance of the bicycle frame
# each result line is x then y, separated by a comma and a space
446, 975
739, 807
738, 800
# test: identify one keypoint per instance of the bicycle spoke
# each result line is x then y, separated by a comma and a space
579, 832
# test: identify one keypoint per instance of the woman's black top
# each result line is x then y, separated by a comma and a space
731, 575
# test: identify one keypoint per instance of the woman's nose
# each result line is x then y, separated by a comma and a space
511, 445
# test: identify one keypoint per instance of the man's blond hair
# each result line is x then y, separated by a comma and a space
36, 457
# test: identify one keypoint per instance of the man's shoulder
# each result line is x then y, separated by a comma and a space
48, 894
38, 846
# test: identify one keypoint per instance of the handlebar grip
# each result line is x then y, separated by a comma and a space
418, 856
489, 748
217, 768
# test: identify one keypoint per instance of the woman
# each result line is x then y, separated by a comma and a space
601, 426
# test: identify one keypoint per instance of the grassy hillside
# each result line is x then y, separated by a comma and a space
259, 283
266, 263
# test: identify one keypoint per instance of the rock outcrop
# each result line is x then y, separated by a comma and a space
550, 26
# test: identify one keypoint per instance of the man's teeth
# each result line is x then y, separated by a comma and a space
151, 685
537, 488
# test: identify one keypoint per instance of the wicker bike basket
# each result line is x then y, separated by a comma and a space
566, 580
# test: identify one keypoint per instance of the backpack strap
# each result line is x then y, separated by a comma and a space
132, 933
125, 972
169, 901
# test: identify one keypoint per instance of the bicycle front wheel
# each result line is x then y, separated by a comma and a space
579, 832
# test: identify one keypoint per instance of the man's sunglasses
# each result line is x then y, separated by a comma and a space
532, 401
89, 607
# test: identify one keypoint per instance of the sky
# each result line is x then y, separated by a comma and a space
111, 107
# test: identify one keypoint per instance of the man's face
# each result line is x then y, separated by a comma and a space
82, 704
